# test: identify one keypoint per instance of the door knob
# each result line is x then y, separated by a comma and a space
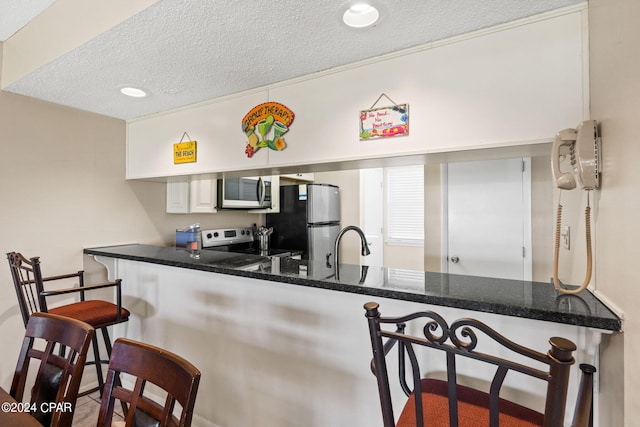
455, 259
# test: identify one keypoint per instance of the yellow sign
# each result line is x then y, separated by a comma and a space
185, 152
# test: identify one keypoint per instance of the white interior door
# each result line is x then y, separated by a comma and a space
488, 204
372, 211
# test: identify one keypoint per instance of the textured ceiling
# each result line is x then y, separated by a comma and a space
185, 51
14, 14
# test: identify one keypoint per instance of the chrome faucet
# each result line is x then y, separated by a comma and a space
336, 247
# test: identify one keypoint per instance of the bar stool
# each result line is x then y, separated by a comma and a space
29, 285
432, 401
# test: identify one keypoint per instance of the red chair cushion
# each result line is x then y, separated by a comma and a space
94, 312
473, 408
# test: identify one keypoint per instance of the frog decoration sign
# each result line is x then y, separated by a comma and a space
265, 126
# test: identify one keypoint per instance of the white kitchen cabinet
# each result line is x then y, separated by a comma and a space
305, 177
196, 194
178, 194
203, 194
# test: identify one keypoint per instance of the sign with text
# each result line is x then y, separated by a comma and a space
384, 122
264, 125
185, 152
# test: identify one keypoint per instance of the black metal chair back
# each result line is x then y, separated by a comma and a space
434, 402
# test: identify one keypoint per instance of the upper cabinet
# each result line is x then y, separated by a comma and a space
203, 192
195, 194
178, 193
215, 126
514, 84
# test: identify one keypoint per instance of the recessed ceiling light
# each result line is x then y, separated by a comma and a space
361, 15
133, 92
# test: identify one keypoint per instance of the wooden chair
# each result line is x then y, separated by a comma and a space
55, 386
438, 403
29, 285
144, 364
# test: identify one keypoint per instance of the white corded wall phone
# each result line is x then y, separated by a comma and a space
581, 144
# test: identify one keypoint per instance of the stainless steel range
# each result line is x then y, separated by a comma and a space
239, 240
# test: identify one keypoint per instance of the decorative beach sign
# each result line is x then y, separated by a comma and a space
384, 122
264, 126
185, 151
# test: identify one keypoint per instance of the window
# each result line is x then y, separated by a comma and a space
405, 205
407, 280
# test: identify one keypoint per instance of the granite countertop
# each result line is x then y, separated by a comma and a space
532, 300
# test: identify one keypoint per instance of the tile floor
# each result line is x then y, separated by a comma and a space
87, 409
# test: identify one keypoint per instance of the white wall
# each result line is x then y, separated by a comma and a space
542, 222
63, 189
498, 87
614, 37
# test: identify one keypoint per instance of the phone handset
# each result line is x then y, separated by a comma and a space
565, 139
581, 146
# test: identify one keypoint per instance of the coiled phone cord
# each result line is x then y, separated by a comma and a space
556, 252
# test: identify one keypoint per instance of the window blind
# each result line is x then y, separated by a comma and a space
405, 205
409, 280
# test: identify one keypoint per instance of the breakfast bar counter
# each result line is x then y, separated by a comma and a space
282, 342
531, 300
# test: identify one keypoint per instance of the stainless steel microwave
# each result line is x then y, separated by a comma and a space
250, 192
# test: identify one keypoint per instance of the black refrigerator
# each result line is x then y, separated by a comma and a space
309, 220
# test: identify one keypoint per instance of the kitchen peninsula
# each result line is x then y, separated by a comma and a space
270, 334
530, 300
